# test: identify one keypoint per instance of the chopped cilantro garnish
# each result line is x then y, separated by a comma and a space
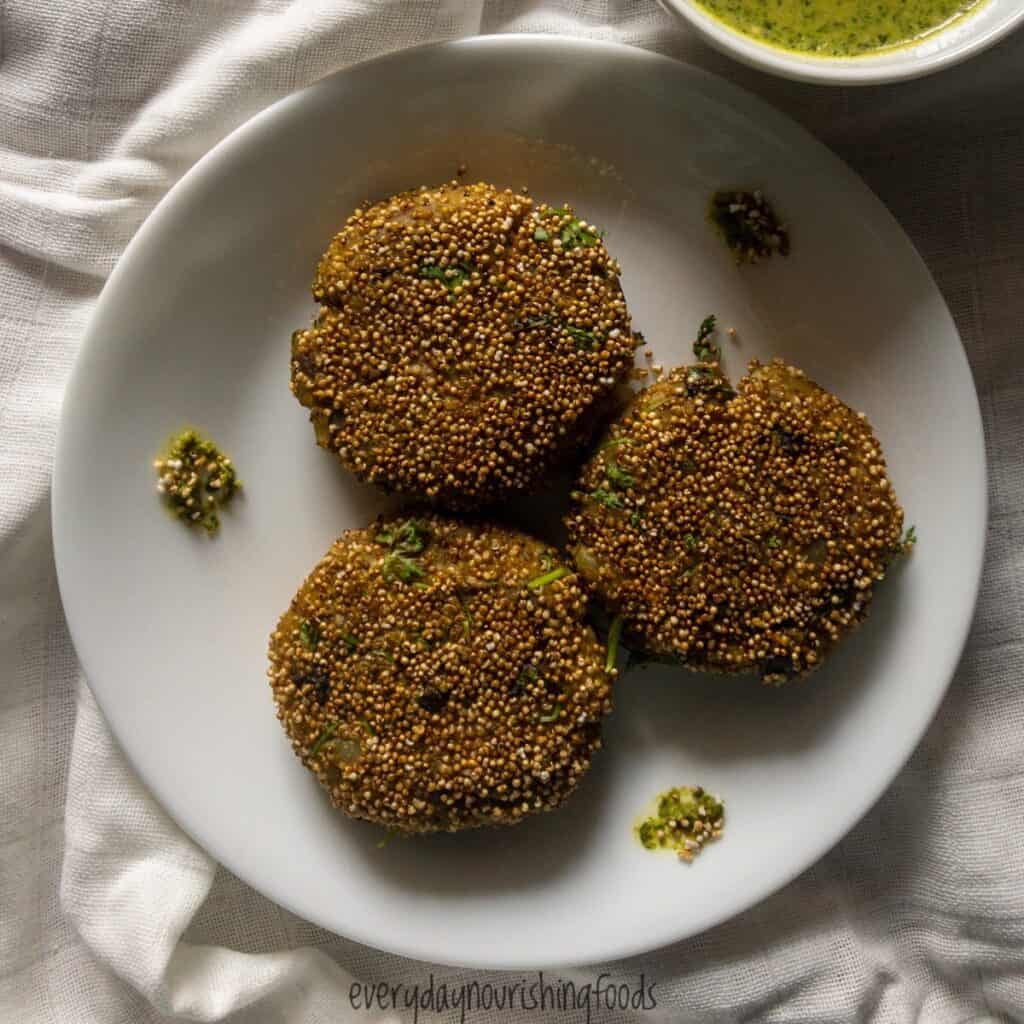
690, 541
707, 380
774, 542
406, 541
467, 615
617, 476
530, 322
309, 634
549, 577
575, 234
614, 635
453, 276
369, 728
703, 348
904, 547
324, 738
397, 566
410, 537
605, 497
526, 676
552, 717
585, 339
707, 327
350, 642
615, 442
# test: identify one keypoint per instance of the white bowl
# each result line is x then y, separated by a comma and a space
193, 327
973, 33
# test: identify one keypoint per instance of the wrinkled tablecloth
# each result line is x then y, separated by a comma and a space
108, 913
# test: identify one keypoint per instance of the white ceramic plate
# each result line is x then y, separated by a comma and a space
193, 328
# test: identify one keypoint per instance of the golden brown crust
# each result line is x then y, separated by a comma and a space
746, 531
462, 347
428, 686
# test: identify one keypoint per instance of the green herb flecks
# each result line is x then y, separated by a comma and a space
704, 348
370, 731
773, 541
526, 677
406, 542
195, 480
749, 225
552, 716
453, 276
601, 496
690, 540
467, 615
397, 566
577, 234
549, 577
588, 340
614, 636
350, 642
574, 233
659, 402
309, 634
686, 820
615, 442
617, 476
324, 738
530, 323
906, 544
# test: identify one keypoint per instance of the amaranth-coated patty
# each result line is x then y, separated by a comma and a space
468, 340
438, 675
737, 530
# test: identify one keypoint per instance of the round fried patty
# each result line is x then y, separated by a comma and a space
736, 531
438, 675
467, 341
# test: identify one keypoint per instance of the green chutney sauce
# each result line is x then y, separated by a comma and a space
838, 28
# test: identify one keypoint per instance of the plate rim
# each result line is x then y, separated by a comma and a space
92, 344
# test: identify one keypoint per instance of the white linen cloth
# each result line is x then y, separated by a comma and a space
917, 916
